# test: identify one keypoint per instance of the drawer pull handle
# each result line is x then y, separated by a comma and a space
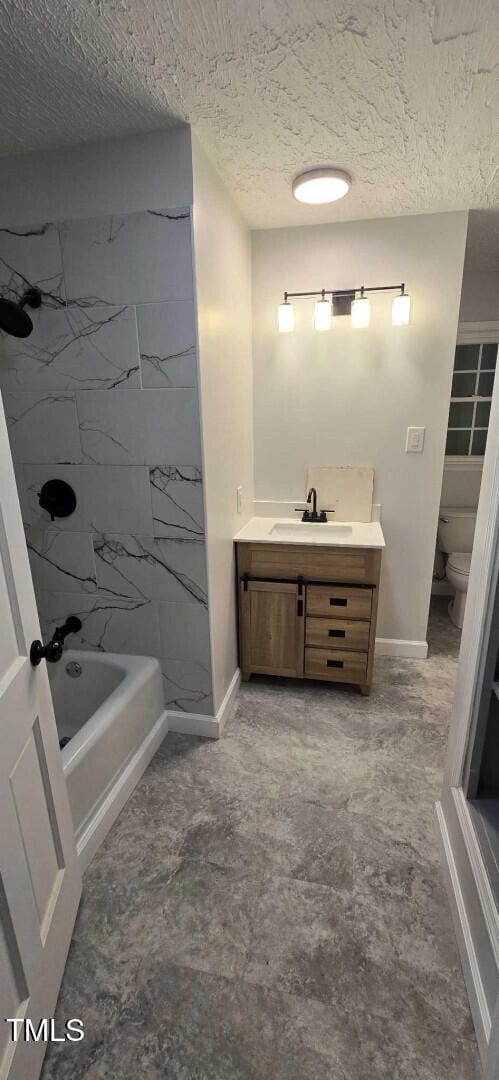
336, 633
299, 610
337, 601
334, 663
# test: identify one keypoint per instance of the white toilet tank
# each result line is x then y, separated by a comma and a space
456, 528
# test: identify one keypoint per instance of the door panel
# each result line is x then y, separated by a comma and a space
40, 882
30, 788
13, 984
11, 638
8, 643
273, 628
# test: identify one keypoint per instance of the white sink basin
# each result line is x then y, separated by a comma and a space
299, 531
281, 530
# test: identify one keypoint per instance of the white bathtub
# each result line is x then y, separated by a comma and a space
113, 714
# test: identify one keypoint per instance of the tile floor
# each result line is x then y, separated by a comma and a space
271, 906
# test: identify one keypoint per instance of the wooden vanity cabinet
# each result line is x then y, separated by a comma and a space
272, 628
308, 611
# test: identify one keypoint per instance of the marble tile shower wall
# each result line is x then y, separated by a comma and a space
103, 394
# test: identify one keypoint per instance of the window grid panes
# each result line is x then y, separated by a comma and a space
472, 385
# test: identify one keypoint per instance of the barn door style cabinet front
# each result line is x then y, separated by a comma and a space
272, 621
308, 612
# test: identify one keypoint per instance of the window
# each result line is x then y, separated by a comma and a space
471, 395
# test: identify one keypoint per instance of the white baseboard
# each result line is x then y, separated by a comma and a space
415, 650
225, 709
209, 727
90, 840
189, 723
469, 961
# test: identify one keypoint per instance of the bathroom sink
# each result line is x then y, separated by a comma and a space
348, 534
316, 530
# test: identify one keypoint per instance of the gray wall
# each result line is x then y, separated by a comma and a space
104, 394
113, 177
347, 397
480, 296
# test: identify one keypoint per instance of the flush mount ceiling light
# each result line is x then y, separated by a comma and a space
318, 186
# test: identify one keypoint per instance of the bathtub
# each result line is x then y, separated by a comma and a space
111, 709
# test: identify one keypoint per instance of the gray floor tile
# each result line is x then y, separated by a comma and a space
271, 906
290, 836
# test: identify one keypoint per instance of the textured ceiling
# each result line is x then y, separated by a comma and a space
402, 93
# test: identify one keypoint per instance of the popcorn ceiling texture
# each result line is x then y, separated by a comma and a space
403, 93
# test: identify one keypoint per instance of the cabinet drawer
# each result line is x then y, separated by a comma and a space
311, 562
339, 601
338, 633
336, 664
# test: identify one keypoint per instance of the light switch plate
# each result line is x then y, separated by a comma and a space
414, 442
239, 499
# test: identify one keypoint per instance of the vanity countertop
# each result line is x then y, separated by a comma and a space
266, 530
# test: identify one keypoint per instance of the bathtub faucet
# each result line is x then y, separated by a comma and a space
54, 648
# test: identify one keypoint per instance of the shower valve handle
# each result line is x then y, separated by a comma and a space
51, 652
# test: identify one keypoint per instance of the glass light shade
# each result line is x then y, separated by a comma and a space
401, 310
285, 318
361, 312
322, 315
321, 186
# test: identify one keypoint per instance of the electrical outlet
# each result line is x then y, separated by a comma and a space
414, 442
239, 499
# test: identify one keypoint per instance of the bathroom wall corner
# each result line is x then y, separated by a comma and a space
222, 269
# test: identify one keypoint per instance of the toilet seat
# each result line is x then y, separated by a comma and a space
460, 562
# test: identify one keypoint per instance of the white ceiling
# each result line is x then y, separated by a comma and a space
402, 93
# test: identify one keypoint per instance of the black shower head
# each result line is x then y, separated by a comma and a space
14, 320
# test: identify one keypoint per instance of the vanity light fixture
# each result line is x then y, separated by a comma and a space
401, 308
361, 311
285, 316
322, 313
319, 186
339, 302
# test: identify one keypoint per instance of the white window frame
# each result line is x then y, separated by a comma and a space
472, 333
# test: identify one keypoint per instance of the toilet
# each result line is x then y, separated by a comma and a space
456, 530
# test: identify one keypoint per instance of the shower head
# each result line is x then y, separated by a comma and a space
14, 320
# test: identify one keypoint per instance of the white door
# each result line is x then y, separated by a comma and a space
40, 882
